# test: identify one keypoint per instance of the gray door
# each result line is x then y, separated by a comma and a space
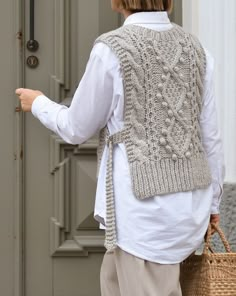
51, 245
63, 245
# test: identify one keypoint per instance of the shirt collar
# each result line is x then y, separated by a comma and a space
154, 17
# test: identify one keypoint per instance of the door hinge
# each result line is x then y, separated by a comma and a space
19, 35
18, 109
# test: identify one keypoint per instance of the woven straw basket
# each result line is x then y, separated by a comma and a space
210, 273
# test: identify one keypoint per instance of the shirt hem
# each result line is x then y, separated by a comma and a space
164, 262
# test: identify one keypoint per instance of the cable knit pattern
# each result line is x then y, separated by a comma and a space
163, 76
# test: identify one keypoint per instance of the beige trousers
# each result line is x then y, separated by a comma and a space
123, 274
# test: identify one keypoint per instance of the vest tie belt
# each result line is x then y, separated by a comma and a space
111, 237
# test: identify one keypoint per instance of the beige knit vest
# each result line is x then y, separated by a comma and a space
163, 74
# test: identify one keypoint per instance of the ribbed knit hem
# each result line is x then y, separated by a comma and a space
168, 176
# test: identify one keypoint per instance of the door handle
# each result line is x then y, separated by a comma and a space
32, 44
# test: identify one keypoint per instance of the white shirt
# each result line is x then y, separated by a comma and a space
163, 229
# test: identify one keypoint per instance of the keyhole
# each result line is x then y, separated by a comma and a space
32, 62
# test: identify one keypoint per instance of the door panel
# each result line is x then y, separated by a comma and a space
64, 246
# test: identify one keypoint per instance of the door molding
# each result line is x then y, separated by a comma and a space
19, 202
60, 80
60, 226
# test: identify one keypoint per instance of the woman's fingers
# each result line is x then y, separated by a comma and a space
19, 91
215, 218
27, 97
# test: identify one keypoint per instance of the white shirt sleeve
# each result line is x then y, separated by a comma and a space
211, 135
91, 107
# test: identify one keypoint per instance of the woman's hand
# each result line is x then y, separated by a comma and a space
215, 219
27, 96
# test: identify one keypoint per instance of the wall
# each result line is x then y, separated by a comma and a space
215, 25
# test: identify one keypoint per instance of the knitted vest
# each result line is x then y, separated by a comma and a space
163, 75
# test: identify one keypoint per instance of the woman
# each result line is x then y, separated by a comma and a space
148, 87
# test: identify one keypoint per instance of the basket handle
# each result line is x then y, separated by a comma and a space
209, 235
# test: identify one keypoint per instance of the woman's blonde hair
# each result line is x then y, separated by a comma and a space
147, 5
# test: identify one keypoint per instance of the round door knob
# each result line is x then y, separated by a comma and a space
32, 45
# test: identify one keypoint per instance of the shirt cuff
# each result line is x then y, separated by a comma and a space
218, 193
38, 104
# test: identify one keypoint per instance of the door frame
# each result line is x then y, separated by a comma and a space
19, 201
